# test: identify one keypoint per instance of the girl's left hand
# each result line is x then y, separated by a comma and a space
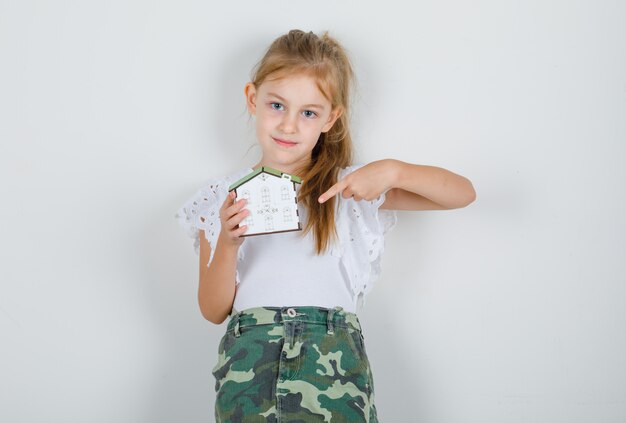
365, 183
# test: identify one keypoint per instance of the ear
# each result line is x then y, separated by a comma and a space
334, 115
250, 92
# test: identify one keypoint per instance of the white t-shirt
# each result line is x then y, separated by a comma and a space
282, 269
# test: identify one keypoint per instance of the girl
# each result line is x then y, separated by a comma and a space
294, 349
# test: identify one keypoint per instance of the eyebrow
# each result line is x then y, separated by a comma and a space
318, 106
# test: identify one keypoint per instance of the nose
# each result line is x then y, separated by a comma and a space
288, 124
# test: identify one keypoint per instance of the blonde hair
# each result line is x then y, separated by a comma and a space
324, 59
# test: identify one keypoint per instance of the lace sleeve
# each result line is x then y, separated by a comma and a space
361, 227
201, 211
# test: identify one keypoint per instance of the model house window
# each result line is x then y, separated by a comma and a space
248, 220
269, 223
265, 194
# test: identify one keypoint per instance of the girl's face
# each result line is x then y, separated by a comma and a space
290, 115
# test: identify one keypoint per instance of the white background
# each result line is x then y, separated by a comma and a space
113, 113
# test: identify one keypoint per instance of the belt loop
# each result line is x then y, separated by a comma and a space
236, 317
329, 321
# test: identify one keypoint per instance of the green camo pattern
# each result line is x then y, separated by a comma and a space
278, 366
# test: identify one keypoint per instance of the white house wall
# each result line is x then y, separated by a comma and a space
271, 202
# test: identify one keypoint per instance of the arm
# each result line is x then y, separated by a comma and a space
406, 186
421, 187
216, 292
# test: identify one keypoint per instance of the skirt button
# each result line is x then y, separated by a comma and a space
291, 312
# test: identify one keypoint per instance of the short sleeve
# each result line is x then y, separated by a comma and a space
362, 226
202, 211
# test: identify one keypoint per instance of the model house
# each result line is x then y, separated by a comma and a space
272, 201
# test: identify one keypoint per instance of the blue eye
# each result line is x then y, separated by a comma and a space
313, 114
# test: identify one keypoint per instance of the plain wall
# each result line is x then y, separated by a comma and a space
113, 113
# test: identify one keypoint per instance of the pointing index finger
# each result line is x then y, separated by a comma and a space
331, 192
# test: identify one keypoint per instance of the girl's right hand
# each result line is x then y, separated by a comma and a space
231, 214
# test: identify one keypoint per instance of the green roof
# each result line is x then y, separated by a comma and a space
265, 169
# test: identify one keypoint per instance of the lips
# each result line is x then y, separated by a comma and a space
284, 143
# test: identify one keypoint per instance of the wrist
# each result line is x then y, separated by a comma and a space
394, 172
224, 242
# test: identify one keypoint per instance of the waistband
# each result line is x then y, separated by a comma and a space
330, 317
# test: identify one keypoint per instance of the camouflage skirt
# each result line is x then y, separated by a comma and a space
293, 364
